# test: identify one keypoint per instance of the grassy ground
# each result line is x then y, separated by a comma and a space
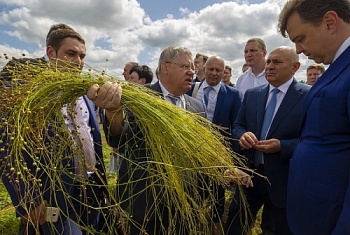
8, 222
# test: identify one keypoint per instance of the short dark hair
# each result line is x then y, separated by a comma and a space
205, 57
55, 27
229, 68
312, 11
56, 37
144, 72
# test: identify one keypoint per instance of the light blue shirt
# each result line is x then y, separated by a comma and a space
213, 96
280, 96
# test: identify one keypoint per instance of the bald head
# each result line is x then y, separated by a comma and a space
214, 70
288, 52
281, 65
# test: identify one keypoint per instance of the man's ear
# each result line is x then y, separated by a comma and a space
164, 67
264, 52
50, 52
296, 66
143, 80
331, 21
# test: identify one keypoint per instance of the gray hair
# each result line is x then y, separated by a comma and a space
172, 52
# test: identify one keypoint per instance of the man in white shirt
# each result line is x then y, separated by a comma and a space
254, 54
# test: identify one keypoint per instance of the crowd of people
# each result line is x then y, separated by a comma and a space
293, 137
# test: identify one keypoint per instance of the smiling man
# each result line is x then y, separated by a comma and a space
319, 181
267, 129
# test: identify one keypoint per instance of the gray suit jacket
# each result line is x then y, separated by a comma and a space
133, 187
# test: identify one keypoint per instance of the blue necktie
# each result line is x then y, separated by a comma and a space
206, 95
270, 109
172, 98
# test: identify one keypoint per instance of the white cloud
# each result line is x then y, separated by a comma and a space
120, 31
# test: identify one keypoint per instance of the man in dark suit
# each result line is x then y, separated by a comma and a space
64, 190
144, 205
267, 129
318, 199
222, 104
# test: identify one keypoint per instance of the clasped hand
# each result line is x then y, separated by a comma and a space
248, 140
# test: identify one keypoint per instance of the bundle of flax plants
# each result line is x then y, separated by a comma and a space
183, 147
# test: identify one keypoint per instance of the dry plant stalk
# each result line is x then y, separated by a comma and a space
180, 143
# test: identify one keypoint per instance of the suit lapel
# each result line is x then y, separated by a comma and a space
327, 77
93, 119
291, 98
155, 87
220, 99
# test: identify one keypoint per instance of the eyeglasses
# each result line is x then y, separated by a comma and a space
183, 66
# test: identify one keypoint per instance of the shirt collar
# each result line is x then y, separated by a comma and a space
284, 87
342, 48
216, 87
166, 92
250, 71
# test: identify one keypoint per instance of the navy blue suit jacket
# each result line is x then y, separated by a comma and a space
319, 180
226, 109
53, 191
284, 127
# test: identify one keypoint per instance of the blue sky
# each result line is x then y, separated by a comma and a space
129, 30
159, 9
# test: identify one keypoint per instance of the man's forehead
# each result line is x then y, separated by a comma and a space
184, 59
72, 41
73, 44
293, 26
314, 70
252, 45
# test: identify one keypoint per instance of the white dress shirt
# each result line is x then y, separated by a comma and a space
248, 80
70, 123
180, 100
